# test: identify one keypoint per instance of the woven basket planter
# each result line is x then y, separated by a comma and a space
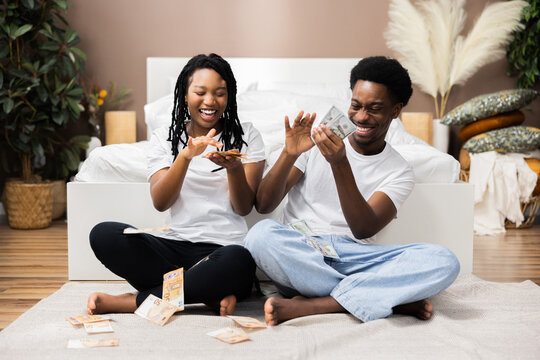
29, 206
528, 209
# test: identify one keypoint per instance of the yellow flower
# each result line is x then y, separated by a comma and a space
100, 101
102, 94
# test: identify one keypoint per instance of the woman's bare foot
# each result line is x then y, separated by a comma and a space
421, 309
227, 305
279, 310
101, 303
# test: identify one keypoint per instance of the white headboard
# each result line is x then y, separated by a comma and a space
159, 71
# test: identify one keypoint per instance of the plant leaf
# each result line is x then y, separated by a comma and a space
8, 105
21, 31
79, 53
29, 4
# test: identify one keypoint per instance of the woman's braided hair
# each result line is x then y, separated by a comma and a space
231, 135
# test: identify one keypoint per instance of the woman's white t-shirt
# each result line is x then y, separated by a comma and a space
314, 198
203, 211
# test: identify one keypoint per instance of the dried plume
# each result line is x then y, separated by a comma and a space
487, 41
407, 36
428, 43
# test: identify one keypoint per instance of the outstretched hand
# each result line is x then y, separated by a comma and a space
225, 158
298, 137
330, 145
196, 146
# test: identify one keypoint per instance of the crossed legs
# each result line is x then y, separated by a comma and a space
368, 281
224, 276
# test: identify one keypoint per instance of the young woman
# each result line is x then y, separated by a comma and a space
205, 192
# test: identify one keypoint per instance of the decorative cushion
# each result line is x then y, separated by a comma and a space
511, 139
487, 105
512, 118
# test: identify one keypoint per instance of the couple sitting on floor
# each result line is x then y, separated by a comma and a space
343, 191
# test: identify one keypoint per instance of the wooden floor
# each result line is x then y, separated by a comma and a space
33, 263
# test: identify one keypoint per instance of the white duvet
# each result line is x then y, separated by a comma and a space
266, 110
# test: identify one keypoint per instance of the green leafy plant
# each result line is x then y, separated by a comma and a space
523, 53
40, 91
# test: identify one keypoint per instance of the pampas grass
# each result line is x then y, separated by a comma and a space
428, 43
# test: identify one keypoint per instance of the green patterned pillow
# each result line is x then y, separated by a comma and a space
511, 139
487, 105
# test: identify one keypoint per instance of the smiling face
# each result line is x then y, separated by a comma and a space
372, 111
206, 98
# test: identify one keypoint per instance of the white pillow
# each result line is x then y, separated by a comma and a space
429, 164
158, 113
115, 163
339, 90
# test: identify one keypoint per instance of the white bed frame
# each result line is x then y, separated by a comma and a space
434, 213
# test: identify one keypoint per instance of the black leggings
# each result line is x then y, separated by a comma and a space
142, 259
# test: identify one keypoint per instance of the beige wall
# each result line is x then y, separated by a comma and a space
118, 36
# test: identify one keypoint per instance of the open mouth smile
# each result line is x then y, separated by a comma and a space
207, 114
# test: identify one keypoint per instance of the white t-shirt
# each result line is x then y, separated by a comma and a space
314, 198
203, 211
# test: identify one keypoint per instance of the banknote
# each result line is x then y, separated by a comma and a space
302, 227
156, 310
247, 322
131, 230
327, 250
230, 335
338, 122
173, 288
91, 343
98, 327
82, 319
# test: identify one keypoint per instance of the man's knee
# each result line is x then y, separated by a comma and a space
446, 259
260, 238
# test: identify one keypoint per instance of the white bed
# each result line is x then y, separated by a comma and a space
112, 187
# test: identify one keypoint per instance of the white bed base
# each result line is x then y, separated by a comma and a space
434, 213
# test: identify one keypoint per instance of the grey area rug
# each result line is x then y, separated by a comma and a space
473, 319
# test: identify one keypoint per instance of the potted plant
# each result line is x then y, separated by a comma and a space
40, 93
523, 53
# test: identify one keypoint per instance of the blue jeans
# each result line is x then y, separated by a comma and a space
367, 280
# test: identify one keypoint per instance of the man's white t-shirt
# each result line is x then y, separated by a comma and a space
203, 211
314, 198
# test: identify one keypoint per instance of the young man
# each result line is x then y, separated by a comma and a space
345, 191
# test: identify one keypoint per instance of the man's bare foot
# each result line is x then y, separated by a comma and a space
101, 303
227, 305
279, 310
421, 309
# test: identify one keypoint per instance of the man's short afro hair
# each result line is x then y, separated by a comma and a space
385, 71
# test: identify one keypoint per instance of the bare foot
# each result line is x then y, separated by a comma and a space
101, 303
279, 310
227, 305
224, 307
421, 309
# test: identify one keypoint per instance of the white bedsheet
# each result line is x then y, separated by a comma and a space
266, 110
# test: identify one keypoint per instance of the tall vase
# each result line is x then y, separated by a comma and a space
441, 136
